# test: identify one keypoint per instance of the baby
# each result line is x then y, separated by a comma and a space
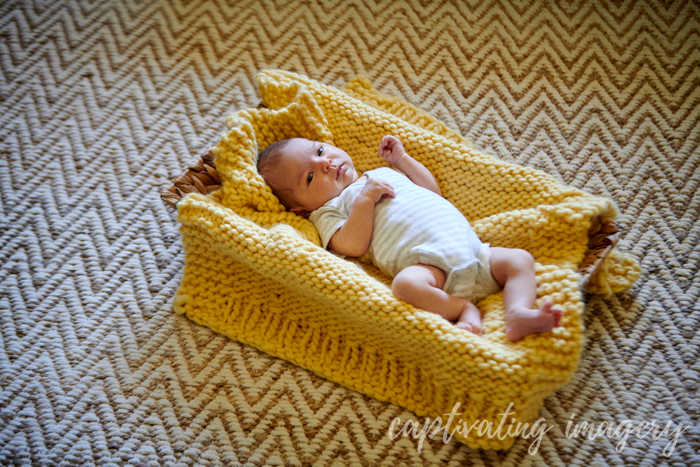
397, 218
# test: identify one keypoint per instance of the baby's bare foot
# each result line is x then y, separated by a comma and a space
521, 322
470, 319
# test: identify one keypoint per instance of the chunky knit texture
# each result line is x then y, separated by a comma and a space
257, 274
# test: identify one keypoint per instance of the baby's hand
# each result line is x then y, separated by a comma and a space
391, 149
375, 189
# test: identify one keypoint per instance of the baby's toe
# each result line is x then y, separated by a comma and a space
549, 308
557, 314
469, 327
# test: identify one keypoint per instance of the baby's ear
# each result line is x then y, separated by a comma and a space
302, 212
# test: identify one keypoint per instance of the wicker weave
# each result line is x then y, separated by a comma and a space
200, 177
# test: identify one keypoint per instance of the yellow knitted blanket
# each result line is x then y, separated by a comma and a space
257, 274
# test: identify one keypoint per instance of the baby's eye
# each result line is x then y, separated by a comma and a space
309, 178
320, 150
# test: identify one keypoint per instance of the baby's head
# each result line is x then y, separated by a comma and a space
305, 174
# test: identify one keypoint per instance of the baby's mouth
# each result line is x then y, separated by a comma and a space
339, 172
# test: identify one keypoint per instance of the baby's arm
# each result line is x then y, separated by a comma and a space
392, 151
353, 237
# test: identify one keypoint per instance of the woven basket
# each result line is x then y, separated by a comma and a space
202, 177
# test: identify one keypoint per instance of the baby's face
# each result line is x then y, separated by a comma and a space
315, 172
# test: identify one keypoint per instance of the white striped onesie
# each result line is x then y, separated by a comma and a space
416, 227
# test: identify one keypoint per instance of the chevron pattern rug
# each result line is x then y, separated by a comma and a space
103, 102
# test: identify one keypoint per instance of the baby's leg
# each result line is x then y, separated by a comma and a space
421, 286
514, 270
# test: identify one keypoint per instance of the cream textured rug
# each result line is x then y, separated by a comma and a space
102, 103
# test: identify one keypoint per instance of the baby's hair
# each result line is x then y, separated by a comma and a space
268, 160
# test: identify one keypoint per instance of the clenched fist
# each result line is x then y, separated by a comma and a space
391, 150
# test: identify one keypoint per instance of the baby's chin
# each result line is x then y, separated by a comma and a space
356, 176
